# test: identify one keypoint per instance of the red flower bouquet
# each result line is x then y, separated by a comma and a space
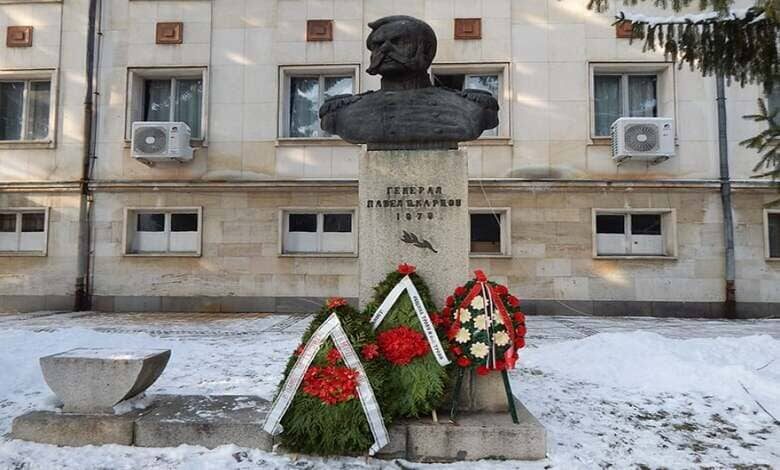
331, 384
402, 344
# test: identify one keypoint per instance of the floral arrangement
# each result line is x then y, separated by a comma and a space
415, 381
326, 416
401, 345
484, 324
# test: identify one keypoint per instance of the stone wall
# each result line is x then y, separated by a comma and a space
43, 282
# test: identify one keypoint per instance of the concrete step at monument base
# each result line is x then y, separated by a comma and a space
208, 421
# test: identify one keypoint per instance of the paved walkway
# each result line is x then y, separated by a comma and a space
540, 328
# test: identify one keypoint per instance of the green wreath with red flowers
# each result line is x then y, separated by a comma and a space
415, 382
326, 416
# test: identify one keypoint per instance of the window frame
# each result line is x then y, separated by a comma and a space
288, 71
26, 210
135, 95
767, 251
129, 230
320, 211
28, 76
668, 232
665, 90
506, 231
503, 70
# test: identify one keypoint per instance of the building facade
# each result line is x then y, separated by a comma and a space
263, 217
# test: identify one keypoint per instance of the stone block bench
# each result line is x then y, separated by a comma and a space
93, 380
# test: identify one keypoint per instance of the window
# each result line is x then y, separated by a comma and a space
618, 95
163, 231
304, 91
773, 101
168, 95
489, 232
476, 77
637, 233
321, 232
25, 109
23, 231
772, 233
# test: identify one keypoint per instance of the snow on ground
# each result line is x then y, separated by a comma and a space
611, 392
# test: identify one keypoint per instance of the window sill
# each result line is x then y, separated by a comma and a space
35, 254
486, 141
318, 255
773, 259
194, 143
600, 142
634, 257
312, 141
26, 144
490, 255
163, 255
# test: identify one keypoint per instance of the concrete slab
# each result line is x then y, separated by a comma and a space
477, 435
208, 421
71, 429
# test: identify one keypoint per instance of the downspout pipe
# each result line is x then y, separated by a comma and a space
730, 304
83, 299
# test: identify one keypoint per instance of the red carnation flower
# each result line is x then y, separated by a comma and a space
500, 364
453, 331
436, 319
336, 302
370, 351
331, 384
450, 301
406, 269
482, 370
446, 311
333, 356
456, 350
480, 276
401, 345
460, 291
519, 317
501, 290
521, 330
463, 361
519, 342
513, 301
299, 350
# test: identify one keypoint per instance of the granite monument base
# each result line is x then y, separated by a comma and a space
414, 209
211, 421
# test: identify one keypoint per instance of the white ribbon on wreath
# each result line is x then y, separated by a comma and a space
330, 328
406, 285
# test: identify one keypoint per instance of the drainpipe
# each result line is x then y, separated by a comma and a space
730, 305
83, 299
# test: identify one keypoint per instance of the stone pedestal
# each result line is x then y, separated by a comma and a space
93, 380
414, 209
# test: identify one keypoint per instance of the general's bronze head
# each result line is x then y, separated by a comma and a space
400, 45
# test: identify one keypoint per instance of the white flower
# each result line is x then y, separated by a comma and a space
479, 350
480, 322
465, 315
463, 336
478, 302
501, 338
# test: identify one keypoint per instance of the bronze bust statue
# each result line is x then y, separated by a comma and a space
408, 112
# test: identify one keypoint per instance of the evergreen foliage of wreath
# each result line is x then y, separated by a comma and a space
414, 383
325, 416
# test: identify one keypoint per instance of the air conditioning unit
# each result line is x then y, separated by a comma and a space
645, 139
161, 142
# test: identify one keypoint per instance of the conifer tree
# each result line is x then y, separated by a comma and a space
739, 43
